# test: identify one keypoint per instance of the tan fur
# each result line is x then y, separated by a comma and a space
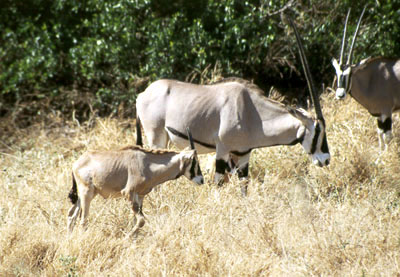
154, 151
130, 172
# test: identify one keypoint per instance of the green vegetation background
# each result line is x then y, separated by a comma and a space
96, 56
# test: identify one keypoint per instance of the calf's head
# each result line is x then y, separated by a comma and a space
190, 166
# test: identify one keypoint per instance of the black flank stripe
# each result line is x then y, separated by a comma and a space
181, 135
238, 153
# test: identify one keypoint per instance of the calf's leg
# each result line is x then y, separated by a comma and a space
86, 194
73, 214
137, 204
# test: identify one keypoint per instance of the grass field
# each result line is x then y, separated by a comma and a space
297, 220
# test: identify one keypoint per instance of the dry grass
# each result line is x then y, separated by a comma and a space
298, 220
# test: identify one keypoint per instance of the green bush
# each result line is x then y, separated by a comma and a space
109, 50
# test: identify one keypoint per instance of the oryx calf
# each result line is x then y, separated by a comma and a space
130, 172
374, 83
231, 118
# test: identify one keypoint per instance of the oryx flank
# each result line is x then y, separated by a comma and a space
374, 83
130, 172
231, 118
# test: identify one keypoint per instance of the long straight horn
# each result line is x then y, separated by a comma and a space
139, 139
306, 69
190, 138
350, 57
344, 38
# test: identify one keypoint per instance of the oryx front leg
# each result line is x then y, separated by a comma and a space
384, 131
222, 160
137, 204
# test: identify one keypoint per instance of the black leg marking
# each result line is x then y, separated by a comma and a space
244, 171
232, 164
221, 167
385, 125
137, 208
73, 194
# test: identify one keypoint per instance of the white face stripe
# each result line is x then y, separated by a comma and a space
313, 144
342, 76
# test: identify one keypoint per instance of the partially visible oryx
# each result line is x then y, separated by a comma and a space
231, 118
130, 172
374, 83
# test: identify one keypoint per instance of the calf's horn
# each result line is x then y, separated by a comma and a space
190, 138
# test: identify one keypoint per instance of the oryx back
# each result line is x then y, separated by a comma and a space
227, 111
375, 84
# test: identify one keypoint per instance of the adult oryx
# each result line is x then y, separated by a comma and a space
373, 82
231, 118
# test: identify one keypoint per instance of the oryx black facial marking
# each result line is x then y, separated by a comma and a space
315, 138
195, 169
385, 125
183, 136
324, 146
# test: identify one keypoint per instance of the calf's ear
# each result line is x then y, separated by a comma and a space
186, 159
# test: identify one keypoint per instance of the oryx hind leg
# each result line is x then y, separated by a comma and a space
222, 164
384, 130
86, 194
73, 214
137, 205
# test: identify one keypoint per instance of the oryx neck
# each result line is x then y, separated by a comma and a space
165, 167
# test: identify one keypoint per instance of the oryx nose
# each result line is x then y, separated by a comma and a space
198, 180
340, 93
327, 162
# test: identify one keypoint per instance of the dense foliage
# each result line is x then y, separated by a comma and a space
97, 55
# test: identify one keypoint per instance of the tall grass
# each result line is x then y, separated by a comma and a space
297, 220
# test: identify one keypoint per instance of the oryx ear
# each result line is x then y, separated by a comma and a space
347, 71
186, 158
302, 116
335, 64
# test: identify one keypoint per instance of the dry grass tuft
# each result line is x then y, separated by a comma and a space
297, 220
